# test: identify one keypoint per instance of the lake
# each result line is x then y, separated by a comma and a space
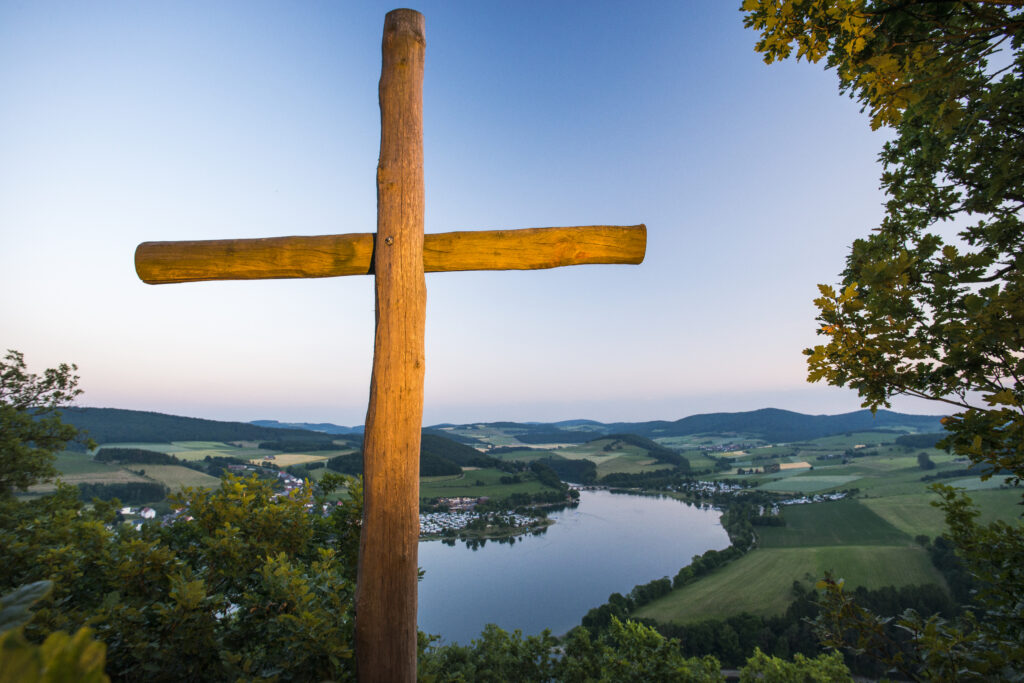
607, 544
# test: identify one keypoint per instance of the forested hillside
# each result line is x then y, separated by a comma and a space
439, 456
770, 424
325, 427
114, 425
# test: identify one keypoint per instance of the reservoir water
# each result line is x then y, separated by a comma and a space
607, 544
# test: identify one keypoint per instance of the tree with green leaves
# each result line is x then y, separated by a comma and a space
61, 657
625, 651
925, 462
244, 582
30, 426
931, 303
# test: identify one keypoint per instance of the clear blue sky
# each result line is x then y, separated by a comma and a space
127, 122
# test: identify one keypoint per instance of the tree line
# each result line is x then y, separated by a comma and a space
115, 425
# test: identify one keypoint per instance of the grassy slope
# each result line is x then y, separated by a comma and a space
177, 476
193, 450
629, 465
761, 582
624, 457
866, 541
845, 537
914, 513
70, 463
526, 456
809, 483
465, 485
79, 468
844, 522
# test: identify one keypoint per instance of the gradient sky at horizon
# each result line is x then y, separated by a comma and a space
124, 122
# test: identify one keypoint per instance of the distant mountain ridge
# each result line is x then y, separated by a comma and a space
112, 425
775, 425
770, 424
324, 427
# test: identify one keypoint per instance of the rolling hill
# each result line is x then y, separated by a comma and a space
114, 425
106, 425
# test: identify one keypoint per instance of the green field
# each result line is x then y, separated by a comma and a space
146, 446
621, 457
198, 450
526, 456
760, 582
175, 477
490, 435
69, 463
841, 522
915, 514
844, 441
476, 484
594, 451
698, 460
975, 483
808, 482
693, 440
193, 450
628, 465
80, 468
867, 540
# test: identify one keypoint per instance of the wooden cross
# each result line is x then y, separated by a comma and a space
398, 254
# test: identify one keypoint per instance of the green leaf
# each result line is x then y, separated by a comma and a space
15, 606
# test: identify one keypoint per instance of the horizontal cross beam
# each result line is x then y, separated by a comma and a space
352, 254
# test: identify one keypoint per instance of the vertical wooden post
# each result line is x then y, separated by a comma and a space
386, 591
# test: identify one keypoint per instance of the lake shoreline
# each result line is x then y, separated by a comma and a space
607, 543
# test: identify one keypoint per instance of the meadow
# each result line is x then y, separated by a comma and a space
194, 450
475, 483
80, 468
175, 477
842, 522
620, 456
761, 582
868, 539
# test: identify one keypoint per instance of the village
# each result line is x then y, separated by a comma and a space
438, 523
461, 516
137, 516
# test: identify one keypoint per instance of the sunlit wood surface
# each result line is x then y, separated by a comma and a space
352, 254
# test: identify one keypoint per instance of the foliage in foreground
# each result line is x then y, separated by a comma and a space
932, 302
984, 644
624, 652
61, 657
30, 426
244, 583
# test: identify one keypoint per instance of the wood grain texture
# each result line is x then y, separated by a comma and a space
352, 254
160, 263
388, 570
534, 248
